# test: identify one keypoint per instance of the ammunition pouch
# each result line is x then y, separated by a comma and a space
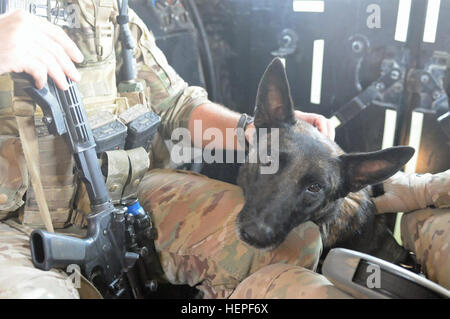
95, 35
134, 128
109, 133
123, 172
139, 165
118, 122
13, 175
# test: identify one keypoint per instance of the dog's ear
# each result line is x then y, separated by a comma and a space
363, 169
274, 107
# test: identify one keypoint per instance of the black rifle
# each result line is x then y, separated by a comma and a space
117, 253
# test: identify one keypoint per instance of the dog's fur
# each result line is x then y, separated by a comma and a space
316, 181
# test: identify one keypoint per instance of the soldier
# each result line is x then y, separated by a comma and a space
194, 215
39, 48
49, 51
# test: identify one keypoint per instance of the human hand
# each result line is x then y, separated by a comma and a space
32, 45
404, 193
323, 124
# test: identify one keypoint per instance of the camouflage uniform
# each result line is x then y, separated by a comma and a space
280, 281
195, 216
19, 278
202, 202
97, 38
425, 232
197, 242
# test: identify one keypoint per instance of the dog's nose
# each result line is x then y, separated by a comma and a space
246, 236
266, 230
258, 235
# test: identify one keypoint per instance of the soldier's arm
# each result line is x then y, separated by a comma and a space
180, 105
34, 46
409, 192
217, 116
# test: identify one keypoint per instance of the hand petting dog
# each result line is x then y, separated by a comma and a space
320, 122
323, 124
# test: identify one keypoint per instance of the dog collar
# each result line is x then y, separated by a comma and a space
243, 122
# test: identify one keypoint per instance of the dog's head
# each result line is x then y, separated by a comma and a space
313, 172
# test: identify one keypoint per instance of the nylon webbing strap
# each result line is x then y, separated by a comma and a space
134, 98
117, 166
103, 27
93, 89
139, 165
6, 91
24, 112
124, 171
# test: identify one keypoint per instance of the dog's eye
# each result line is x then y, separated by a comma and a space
314, 188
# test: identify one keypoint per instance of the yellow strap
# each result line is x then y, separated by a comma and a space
24, 112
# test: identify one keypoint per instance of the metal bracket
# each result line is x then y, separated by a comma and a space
288, 41
385, 92
172, 15
429, 83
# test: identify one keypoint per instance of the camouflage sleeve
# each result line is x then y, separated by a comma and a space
197, 244
439, 189
170, 95
409, 192
426, 233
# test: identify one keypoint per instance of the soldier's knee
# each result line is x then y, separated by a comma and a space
195, 217
426, 233
26, 282
162, 191
280, 281
20, 279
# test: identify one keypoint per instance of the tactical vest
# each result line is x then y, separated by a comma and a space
97, 38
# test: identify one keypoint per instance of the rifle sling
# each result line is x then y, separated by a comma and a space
24, 112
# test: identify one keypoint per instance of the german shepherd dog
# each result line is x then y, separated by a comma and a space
316, 181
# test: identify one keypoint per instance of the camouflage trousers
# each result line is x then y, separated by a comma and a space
19, 278
195, 217
197, 244
427, 233
424, 232
197, 241
281, 281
